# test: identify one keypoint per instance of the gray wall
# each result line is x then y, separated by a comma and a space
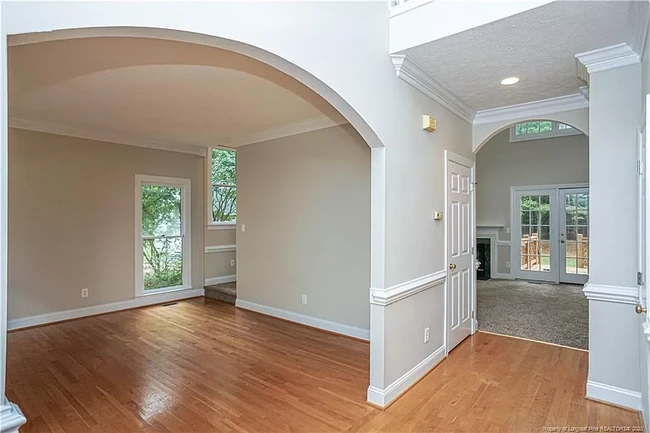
501, 164
71, 219
217, 264
305, 202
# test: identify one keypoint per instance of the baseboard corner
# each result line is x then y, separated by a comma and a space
614, 395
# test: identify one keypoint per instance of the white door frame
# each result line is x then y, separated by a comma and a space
452, 157
186, 230
515, 270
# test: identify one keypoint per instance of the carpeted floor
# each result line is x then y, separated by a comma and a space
554, 313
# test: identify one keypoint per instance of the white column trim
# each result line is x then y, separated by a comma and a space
617, 294
11, 417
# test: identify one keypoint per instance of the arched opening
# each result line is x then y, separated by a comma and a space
95, 116
532, 218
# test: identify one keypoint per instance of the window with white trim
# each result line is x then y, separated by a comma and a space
223, 181
538, 129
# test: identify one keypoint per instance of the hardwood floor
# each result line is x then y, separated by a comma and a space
205, 366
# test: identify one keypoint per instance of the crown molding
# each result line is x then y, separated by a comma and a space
640, 23
111, 137
535, 109
417, 77
295, 128
604, 59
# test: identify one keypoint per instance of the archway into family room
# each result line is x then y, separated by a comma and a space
532, 233
98, 126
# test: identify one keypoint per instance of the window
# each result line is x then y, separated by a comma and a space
162, 240
538, 129
223, 187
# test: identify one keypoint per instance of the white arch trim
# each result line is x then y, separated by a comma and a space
482, 133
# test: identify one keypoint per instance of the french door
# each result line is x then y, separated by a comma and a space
550, 234
162, 227
574, 235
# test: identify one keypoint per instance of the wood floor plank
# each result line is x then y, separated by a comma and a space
204, 366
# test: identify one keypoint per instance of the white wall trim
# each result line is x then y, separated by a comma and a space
106, 136
11, 417
532, 110
604, 59
220, 280
406, 6
404, 290
383, 397
313, 124
617, 294
76, 313
417, 77
220, 249
614, 395
315, 322
224, 226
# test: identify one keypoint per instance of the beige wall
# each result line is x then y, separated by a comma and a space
501, 164
305, 201
71, 219
217, 264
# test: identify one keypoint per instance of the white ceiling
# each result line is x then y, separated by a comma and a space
538, 46
145, 90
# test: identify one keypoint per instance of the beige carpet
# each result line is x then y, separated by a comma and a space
553, 313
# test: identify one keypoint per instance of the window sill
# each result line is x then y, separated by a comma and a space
226, 226
151, 292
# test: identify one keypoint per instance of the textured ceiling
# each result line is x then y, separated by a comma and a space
538, 46
155, 91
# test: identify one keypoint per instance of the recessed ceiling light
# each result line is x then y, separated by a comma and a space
510, 81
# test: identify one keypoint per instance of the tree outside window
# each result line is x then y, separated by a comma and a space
224, 186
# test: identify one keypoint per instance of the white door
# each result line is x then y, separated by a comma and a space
535, 225
459, 251
574, 235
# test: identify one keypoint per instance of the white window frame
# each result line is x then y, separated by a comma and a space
211, 225
554, 132
186, 231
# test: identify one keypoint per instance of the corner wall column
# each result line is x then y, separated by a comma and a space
11, 418
614, 75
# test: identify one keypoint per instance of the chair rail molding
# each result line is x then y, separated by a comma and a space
409, 288
617, 294
417, 77
220, 249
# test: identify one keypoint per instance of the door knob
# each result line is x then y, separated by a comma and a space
562, 241
640, 309
452, 266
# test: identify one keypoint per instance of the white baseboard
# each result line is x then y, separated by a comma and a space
220, 280
141, 301
499, 276
383, 397
614, 395
328, 325
11, 418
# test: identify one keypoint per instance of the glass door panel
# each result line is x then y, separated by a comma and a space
162, 237
574, 235
535, 231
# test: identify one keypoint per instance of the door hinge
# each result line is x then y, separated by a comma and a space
472, 314
472, 251
639, 278
639, 167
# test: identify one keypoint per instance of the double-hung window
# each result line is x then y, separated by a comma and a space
223, 187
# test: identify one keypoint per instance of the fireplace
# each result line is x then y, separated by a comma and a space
483, 253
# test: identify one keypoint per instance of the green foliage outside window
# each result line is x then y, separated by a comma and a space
162, 247
224, 188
